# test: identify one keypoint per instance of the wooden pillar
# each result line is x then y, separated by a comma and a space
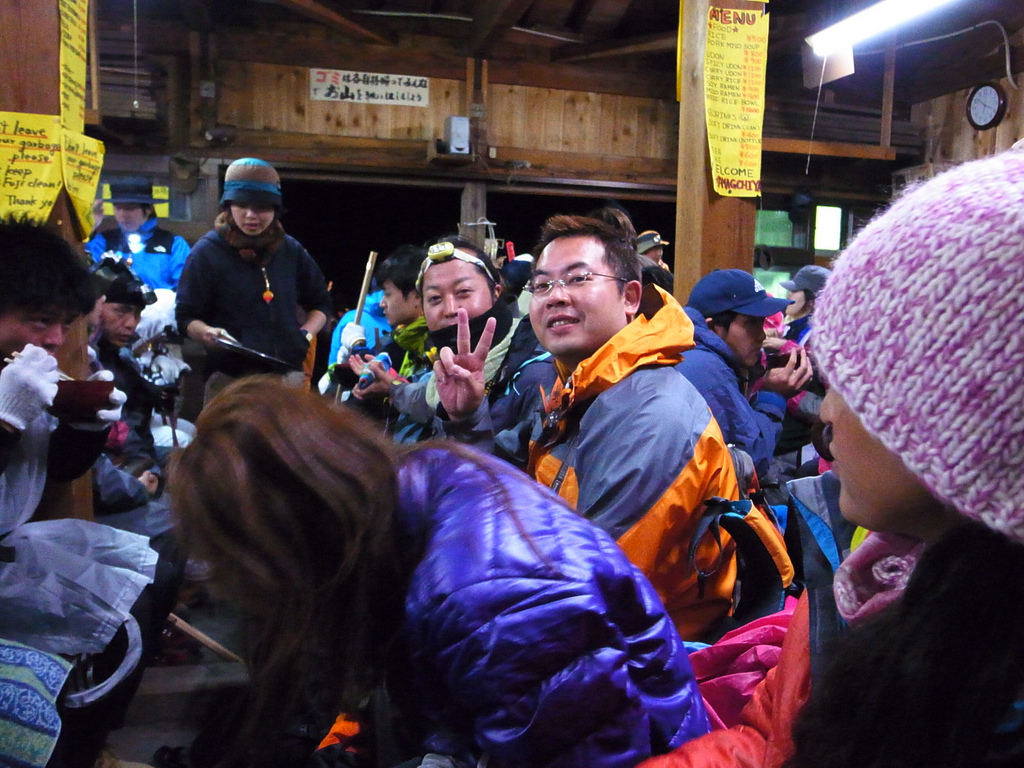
888, 87
474, 206
712, 232
30, 61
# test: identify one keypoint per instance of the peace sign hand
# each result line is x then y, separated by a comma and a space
460, 375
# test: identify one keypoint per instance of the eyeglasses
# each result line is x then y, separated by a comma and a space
570, 283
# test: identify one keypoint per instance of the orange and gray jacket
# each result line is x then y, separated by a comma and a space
632, 446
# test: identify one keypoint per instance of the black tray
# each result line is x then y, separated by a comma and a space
259, 361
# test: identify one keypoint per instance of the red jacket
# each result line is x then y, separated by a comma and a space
764, 737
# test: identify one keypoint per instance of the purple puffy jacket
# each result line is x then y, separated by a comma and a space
529, 636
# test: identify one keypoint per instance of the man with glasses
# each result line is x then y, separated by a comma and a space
626, 439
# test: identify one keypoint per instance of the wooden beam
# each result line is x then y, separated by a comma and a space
30, 60
827, 149
491, 21
94, 65
473, 208
712, 231
691, 171
927, 83
196, 15
426, 57
662, 42
888, 86
409, 156
319, 12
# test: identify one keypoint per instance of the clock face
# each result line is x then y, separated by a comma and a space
985, 106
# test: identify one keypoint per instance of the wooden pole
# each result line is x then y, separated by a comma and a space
712, 232
30, 60
365, 289
888, 88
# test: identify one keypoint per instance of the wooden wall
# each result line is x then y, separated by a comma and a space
270, 97
610, 135
950, 139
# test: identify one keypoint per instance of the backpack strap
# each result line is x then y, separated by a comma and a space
764, 567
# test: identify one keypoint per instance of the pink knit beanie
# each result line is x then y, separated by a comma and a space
921, 330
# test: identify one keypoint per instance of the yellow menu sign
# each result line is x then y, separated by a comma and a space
74, 20
30, 169
82, 163
734, 79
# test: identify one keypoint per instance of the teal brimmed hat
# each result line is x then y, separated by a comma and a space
252, 181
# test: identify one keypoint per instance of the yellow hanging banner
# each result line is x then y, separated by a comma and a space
30, 169
82, 163
734, 78
74, 27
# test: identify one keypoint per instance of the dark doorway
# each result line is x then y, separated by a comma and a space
339, 223
519, 216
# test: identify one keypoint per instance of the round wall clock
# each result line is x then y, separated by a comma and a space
986, 105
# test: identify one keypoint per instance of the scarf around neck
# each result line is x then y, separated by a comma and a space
875, 575
259, 249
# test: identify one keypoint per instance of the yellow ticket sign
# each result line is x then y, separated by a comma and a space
734, 79
74, 20
82, 163
30, 168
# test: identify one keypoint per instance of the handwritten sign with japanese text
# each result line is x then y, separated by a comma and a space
368, 88
74, 19
82, 162
30, 169
734, 78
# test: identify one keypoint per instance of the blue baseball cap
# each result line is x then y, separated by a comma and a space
733, 290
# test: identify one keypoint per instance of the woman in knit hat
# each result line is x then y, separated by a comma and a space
246, 281
918, 333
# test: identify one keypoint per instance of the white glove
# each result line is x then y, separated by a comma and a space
353, 335
27, 386
344, 353
117, 398
167, 369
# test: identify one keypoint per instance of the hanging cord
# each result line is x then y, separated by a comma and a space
814, 118
965, 30
135, 51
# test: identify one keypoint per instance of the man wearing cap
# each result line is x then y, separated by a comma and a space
626, 439
727, 309
246, 280
156, 255
116, 320
650, 245
803, 289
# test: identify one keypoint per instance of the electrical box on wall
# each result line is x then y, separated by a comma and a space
456, 135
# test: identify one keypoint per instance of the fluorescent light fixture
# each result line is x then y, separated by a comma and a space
872, 21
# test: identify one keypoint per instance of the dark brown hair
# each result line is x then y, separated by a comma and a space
619, 250
616, 216
291, 500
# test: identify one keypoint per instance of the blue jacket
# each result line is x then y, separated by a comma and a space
752, 425
530, 637
373, 320
160, 261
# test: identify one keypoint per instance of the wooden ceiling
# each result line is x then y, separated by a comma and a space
639, 35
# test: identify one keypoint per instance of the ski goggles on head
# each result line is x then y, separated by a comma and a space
439, 253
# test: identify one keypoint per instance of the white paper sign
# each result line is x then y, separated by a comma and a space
368, 88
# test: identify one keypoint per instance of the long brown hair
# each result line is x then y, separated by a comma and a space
291, 500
